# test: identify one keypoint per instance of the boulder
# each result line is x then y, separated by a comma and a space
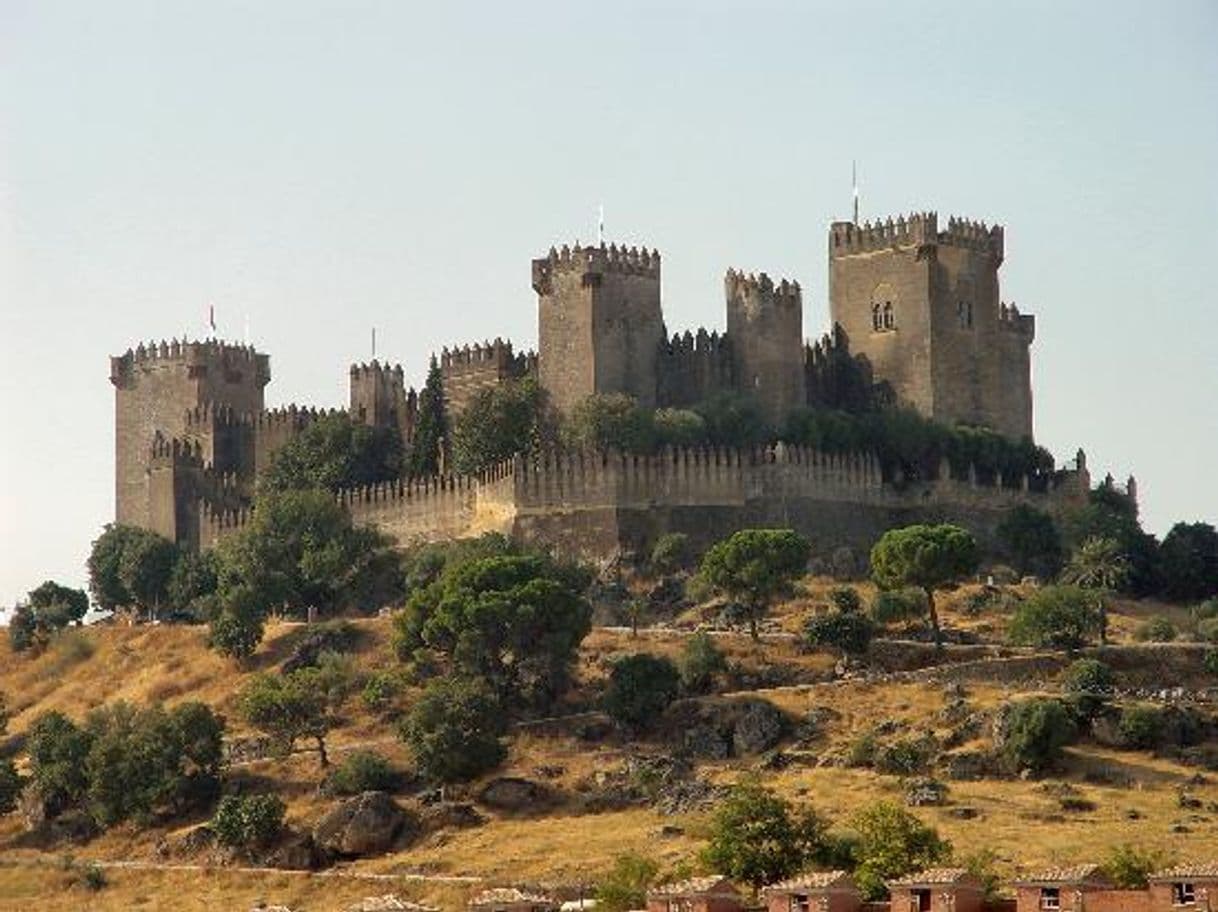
294, 851
456, 815
968, 764
367, 824
758, 728
707, 742
512, 793
925, 792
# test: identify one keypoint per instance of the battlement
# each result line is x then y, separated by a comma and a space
915, 229
701, 342
176, 452
595, 261
1011, 319
191, 355
375, 369
478, 356
292, 416
740, 285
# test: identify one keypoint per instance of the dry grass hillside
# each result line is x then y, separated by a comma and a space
1102, 797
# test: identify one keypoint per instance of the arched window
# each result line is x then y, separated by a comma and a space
876, 325
889, 319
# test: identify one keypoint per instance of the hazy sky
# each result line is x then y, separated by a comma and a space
323, 168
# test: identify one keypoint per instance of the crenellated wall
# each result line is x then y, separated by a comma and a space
693, 367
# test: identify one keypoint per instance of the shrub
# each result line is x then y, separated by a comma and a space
290, 707
759, 838
701, 660
1060, 617
380, 691
1207, 630
362, 771
1088, 682
640, 688
1141, 726
892, 606
1036, 733
849, 631
57, 749
1130, 867
672, 552
1210, 662
892, 842
845, 598
1157, 629
248, 821
903, 758
1207, 609
862, 750
454, 730
625, 886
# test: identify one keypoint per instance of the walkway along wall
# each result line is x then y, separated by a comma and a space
597, 504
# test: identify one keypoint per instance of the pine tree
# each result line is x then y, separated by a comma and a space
429, 432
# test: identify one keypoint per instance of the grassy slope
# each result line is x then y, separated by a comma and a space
1018, 819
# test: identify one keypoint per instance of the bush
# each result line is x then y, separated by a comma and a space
454, 730
1207, 630
1207, 609
1141, 726
701, 660
640, 688
362, 771
1088, 682
892, 842
1036, 733
1210, 662
672, 552
1157, 629
625, 886
890, 607
862, 750
248, 821
380, 691
903, 758
1059, 617
848, 631
57, 749
759, 838
755, 567
1130, 867
845, 599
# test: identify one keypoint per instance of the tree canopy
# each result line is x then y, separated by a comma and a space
1031, 541
924, 556
1188, 560
290, 707
48, 609
640, 688
334, 452
892, 842
1059, 617
130, 566
431, 427
513, 620
454, 730
755, 567
499, 422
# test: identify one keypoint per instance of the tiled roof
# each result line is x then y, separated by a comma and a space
1068, 874
686, 887
508, 895
1197, 869
932, 876
813, 880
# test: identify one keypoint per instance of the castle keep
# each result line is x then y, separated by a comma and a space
919, 308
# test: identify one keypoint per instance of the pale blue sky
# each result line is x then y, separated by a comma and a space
323, 168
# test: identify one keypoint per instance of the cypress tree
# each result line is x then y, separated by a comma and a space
429, 432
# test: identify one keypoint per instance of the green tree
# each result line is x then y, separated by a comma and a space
1035, 734
497, 423
194, 577
237, 623
1099, 566
610, 421
755, 567
732, 420
334, 452
892, 842
1088, 683
290, 707
1031, 541
48, 609
1058, 617
105, 558
362, 771
625, 886
678, 427
11, 783
1188, 560
1130, 866
673, 552
1157, 629
641, 686
248, 821
701, 662
924, 556
455, 730
145, 567
515, 621
57, 749
431, 427
1111, 514
759, 838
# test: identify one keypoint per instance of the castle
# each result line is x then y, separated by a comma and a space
917, 306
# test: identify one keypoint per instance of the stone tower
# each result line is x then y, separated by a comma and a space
174, 393
379, 398
600, 328
923, 306
765, 328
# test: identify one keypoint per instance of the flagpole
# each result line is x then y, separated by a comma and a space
854, 181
